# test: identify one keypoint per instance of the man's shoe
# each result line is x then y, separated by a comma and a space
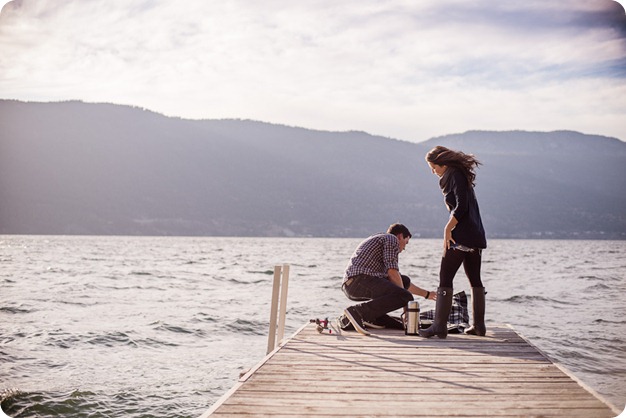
355, 319
344, 323
373, 325
390, 322
385, 321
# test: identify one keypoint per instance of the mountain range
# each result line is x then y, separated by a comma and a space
103, 169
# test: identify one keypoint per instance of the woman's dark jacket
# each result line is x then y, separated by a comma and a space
461, 201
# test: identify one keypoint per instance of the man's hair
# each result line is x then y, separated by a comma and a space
396, 229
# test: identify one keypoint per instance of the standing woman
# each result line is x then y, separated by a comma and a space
463, 237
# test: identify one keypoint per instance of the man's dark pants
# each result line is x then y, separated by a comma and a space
382, 295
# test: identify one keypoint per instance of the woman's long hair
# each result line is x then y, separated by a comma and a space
465, 162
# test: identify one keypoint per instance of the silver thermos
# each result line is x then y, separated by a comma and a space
412, 323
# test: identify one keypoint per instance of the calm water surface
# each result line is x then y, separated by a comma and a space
162, 327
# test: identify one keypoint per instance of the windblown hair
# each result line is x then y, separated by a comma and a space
465, 162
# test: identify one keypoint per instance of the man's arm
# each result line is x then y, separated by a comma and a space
432, 295
394, 277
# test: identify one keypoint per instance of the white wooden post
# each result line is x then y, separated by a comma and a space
284, 285
271, 338
277, 328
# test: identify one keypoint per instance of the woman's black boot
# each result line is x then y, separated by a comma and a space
442, 312
478, 312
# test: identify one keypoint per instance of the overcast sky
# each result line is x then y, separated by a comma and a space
399, 68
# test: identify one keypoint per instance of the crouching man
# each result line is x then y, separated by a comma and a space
373, 278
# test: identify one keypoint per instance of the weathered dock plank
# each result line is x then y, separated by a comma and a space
389, 374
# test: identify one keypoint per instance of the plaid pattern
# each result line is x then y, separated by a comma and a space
459, 315
374, 257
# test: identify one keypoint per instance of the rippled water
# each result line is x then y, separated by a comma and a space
162, 327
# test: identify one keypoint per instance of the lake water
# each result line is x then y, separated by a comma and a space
162, 326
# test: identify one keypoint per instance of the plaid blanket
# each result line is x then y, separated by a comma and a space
458, 320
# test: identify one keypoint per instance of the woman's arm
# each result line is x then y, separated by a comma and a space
458, 203
447, 232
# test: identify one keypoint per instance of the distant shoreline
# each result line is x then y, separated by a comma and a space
414, 238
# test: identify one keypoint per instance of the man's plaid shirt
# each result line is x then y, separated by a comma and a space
374, 256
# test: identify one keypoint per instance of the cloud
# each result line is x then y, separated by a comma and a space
405, 69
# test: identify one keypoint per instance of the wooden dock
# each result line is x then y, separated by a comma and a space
389, 374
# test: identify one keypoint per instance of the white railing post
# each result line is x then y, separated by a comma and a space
277, 315
284, 286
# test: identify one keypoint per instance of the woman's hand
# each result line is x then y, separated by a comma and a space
447, 233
